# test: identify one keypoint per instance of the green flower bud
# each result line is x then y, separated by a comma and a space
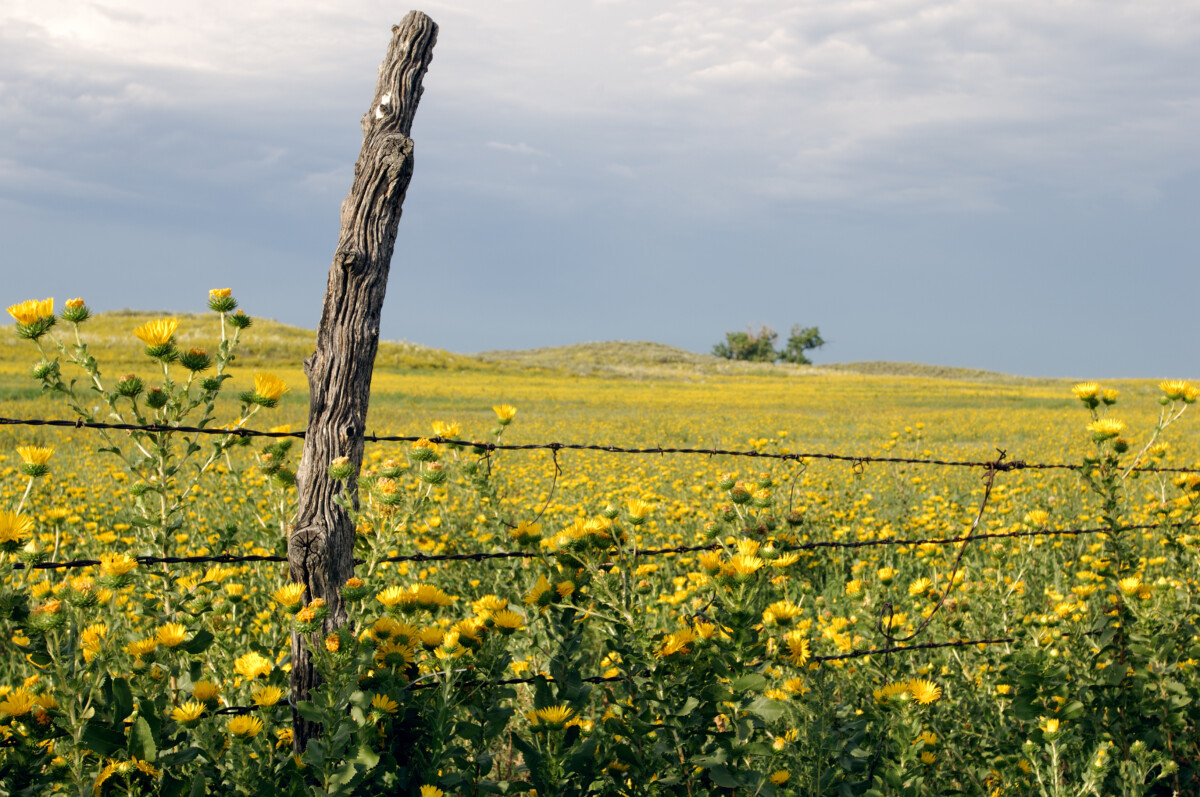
340, 469
220, 300
46, 369
156, 398
434, 474
195, 360
130, 386
76, 312
239, 320
35, 330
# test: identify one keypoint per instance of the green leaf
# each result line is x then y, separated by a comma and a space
152, 712
1072, 710
769, 710
752, 682
170, 787
1022, 707
141, 741
724, 778
716, 759
310, 712
315, 753
184, 756
199, 643
367, 757
122, 699
100, 738
199, 786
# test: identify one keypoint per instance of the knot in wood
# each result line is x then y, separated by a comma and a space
306, 550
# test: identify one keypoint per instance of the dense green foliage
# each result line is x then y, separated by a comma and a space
759, 345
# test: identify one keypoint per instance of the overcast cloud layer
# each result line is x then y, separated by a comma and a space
1008, 185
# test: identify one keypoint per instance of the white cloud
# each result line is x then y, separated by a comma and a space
520, 148
945, 101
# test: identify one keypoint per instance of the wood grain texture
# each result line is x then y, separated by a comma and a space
321, 545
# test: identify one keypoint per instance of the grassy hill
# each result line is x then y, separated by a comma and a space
885, 368
633, 359
270, 343
110, 338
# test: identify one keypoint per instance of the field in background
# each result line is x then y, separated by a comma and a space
646, 395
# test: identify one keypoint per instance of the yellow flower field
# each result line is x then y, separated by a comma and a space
733, 666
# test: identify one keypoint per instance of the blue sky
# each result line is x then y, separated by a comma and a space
1006, 185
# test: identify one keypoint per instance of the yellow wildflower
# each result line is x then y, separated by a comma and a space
14, 527
204, 691
551, 717
1130, 585
924, 692
507, 621
157, 333
116, 564
797, 650
188, 712
32, 311
1178, 390
266, 696
252, 665
289, 595
35, 455
1085, 391
171, 635
141, 647
245, 726
269, 387
677, 642
1105, 429
17, 703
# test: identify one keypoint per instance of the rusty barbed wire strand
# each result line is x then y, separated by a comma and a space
856, 460
681, 549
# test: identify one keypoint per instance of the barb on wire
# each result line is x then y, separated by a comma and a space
856, 460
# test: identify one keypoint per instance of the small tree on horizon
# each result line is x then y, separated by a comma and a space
802, 339
753, 346
759, 345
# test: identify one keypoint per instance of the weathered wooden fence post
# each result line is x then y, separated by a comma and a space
321, 546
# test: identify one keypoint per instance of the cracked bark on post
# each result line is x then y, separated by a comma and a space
321, 545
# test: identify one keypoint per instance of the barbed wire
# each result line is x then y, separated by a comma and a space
681, 549
856, 460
